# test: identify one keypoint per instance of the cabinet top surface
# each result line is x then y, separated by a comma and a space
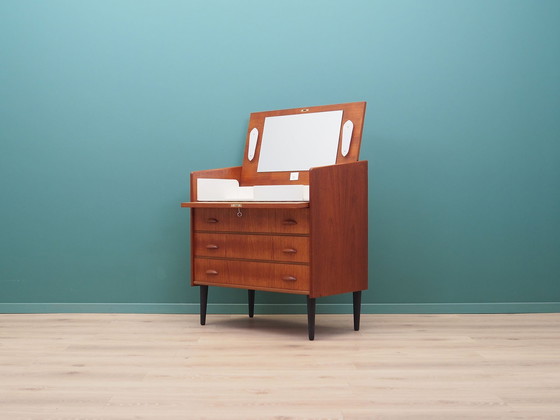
247, 204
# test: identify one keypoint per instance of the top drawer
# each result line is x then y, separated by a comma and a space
288, 221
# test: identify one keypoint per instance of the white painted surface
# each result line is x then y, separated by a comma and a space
229, 190
299, 142
253, 138
347, 130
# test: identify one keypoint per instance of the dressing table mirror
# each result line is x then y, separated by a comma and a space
293, 217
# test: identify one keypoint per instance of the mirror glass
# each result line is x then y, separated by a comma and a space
299, 142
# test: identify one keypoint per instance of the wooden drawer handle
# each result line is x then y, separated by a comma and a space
212, 220
212, 272
289, 222
212, 246
289, 251
289, 278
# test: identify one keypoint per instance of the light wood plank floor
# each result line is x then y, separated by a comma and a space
121, 366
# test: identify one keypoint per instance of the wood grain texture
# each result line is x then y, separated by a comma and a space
226, 252
284, 221
339, 228
252, 274
252, 247
290, 248
226, 220
256, 242
168, 367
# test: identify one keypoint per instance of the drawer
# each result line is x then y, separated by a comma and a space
209, 245
286, 221
226, 245
290, 248
252, 247
226, 220
252, 274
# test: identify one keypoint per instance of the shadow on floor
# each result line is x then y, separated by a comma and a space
284, 325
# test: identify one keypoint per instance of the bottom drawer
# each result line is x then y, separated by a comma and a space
252, 274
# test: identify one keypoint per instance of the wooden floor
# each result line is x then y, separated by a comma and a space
115, 366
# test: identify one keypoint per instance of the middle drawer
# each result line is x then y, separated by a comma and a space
252, 247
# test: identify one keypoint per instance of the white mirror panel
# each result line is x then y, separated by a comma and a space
299, 142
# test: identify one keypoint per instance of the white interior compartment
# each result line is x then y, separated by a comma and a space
229, 190
222, 190
281, 192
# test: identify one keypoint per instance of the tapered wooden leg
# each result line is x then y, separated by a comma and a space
251, 294
311, 317
203, 303
357, 298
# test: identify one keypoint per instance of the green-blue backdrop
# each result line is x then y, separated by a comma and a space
106, 107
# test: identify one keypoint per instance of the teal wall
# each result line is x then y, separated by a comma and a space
106, 107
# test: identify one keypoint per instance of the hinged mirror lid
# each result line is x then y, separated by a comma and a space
283, 145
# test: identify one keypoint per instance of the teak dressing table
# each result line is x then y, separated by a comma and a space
293, 218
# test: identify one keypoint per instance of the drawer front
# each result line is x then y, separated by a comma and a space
252, 247
229, 245
295, 221
252, 274
287, 221
226, 220
291, 248
210, 245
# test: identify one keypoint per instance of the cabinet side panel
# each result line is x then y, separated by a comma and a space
339, 229
192, 244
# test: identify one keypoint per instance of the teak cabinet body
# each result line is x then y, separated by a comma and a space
316, 248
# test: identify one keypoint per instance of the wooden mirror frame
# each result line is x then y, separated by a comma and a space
353, 111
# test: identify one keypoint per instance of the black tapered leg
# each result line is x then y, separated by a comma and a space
251, 294
203, 303
311, 317
357, 300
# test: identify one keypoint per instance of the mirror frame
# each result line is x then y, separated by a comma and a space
354, 111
